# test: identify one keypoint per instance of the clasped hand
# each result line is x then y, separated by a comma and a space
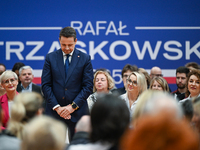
65, 111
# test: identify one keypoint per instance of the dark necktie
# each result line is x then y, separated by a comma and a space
66, 64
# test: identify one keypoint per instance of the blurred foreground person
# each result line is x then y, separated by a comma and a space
7, 142
26, 106
160, 132
44, 133
196, 116
109, 120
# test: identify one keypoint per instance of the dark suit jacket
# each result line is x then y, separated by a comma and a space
35, 88
76, 87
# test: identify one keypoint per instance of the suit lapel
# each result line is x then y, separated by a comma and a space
74, 61
60, 63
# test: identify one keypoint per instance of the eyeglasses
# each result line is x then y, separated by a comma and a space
12, 80
134, 83
125, 76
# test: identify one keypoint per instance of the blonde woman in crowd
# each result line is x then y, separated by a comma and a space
44, 133
159, 83
103, 83
26, 106
136, 84
9, 82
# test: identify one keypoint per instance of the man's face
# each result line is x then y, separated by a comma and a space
67, 44
181, 80
26, 76
125, 77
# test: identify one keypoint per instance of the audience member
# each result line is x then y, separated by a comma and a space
126, 71
181, 80
192, 65
162, 101
187, 110
44, 133
136, 84
160, 132
193, 85
25, 107
108, 125
159, 83
82, 131
16, 68
155, 71
103, 82
196, 116
2, 68
7, 142
147, 76
9, 81
26, 77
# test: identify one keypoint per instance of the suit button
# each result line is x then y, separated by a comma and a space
65, 89
63, 97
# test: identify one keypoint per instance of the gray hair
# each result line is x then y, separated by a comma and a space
7, 74
162, 101
23, 68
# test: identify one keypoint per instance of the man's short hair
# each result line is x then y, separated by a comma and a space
129, 67
68, 32
193, 65
23, 68
182, 69
109, 119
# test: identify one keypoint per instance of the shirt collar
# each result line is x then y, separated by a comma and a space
69, 53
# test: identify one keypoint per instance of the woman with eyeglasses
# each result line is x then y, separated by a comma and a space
9, 82
136, 84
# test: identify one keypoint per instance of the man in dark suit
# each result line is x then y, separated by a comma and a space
67, 80
26, 77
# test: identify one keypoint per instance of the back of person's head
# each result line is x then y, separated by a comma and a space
162, 102
187, 109
3, 68
144, 97
68, 32
84, 124
44, 133
129, 67
182, 69
109, 119
160, 132
26, 106
192, 65
17, 66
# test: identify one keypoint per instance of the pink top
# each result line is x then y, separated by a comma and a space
4, 105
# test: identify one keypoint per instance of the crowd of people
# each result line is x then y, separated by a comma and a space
76, 108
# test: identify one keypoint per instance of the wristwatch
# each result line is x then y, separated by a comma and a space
74, 106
